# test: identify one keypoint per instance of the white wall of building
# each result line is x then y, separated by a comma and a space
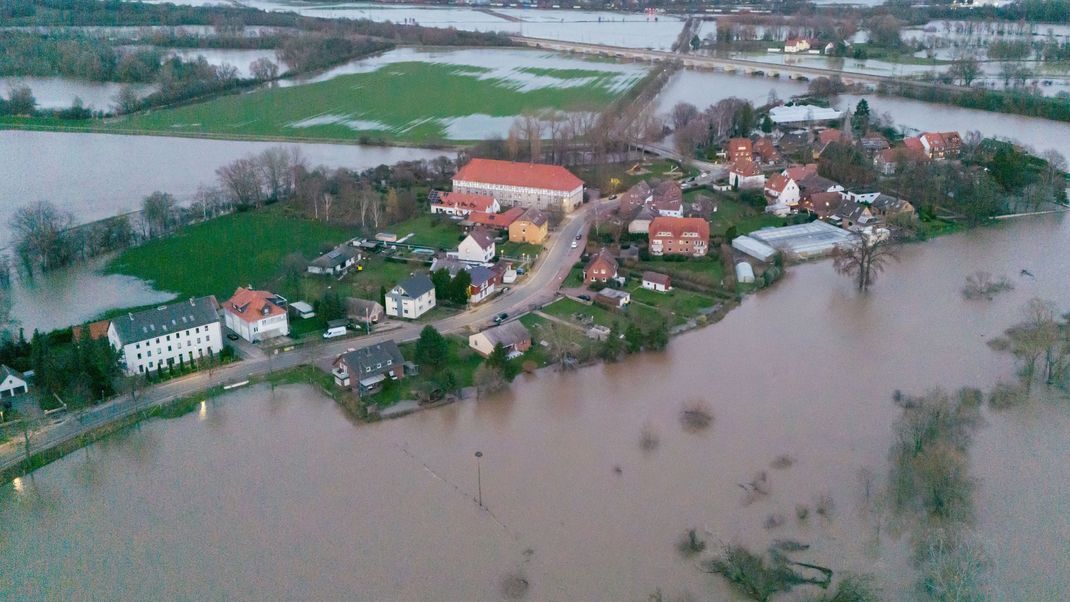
524, 197
264, 328
152, 353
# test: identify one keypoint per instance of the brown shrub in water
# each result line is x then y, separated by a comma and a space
696, 416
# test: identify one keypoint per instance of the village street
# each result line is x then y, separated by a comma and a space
539, 287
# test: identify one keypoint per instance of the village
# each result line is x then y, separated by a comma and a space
663, 255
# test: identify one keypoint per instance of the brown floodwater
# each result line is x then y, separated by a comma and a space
280, 496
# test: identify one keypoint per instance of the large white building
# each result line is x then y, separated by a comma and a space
256, 315
411, 298
546, 187
156, 339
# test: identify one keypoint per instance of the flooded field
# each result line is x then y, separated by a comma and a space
60, 92
186, 508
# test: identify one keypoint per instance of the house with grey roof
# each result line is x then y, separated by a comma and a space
335, 261
156, 339
411, 298
477, 247
365, 370
363, 311
512, 335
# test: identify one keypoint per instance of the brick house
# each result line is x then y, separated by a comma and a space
679, 236
602, 267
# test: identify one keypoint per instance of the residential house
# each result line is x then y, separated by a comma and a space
668, 199
657, 282
335, 261
477, 247
12, 382
97, 330
679, 236
601, 268
800, 172
484, 283
825, 138
494, 221
463, 203
916, 147
365, 370
873, 144
613, 298
411, 298
155, 339
821, 204
532, 227
739, 148
815, 183
256, 315
941, 145
363, 311
885, 206
782, 190
521, 184
889, 159
744, 174
853, 216
513, 336
635, 198
765, 151
794, 45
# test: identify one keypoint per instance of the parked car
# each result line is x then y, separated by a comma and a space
232, 336
575, 244
586, 298
579, 237
498, 319
336, 331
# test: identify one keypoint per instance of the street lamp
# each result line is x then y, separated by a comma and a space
479, 478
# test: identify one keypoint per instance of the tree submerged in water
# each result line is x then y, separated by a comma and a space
865, 258
982, 285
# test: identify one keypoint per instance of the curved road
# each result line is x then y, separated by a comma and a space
538, 288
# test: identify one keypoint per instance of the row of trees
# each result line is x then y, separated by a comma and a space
79, 372
73, 55
706, 129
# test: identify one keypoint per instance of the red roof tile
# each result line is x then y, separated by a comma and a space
251, 305
496, 220
466, 201
527, 175
745, 168
676, 227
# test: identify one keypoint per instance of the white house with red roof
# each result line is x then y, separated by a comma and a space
783, 190
460, 203
477, 247
546, 187
745, 173
256, 315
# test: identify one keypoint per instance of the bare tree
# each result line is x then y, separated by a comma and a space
41, 236
682, 114
159, 212
563, 341
276, 169
126, 100
1054, 168
241, 181
264, 69
864, 259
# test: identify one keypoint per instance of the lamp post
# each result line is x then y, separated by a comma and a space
479, 478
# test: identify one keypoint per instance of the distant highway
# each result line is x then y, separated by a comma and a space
730, 64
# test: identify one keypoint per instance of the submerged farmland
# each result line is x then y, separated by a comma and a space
406, 96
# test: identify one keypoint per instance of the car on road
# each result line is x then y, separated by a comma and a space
232, 336
579, 237
575, 244
498, 319
586, 298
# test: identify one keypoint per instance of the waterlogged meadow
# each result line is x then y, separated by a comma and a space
406, 96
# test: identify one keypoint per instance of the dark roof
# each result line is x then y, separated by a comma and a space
373, 359
656, 278
482, 237
358, 308
508, 334
335, 257
535, 216
166, 319
815, 183
480, 274
416, 285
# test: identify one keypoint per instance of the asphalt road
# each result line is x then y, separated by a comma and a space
538, 288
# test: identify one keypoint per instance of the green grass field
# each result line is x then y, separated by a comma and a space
440, 234
407, 101
217, 256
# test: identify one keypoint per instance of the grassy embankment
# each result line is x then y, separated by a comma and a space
411, 102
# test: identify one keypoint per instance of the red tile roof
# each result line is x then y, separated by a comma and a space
466, 201
496, 220
676, 227
914, 144
798, 172
738, 148
745, 168
252, 306
777, 183
97, 330
657, 278
527, 175
830, 135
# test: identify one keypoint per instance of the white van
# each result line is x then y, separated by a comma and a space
335, 331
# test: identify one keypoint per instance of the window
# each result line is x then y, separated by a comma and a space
139, 356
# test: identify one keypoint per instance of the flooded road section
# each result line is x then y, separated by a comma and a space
279, 496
